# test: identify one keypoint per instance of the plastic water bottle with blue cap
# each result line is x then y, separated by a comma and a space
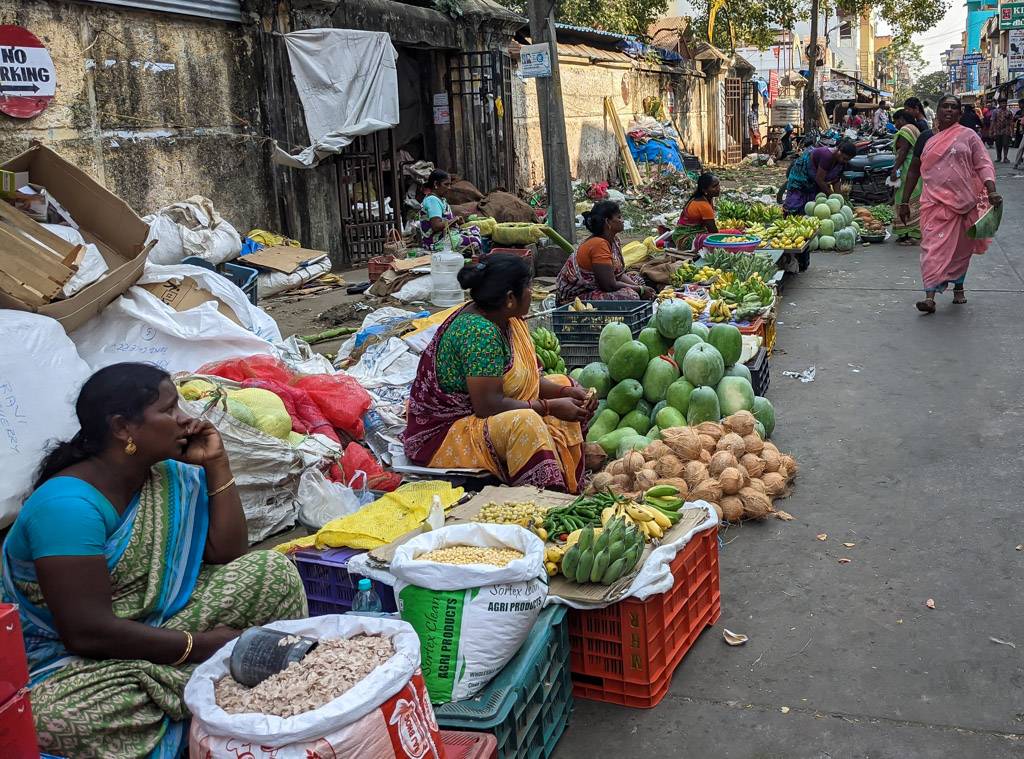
366, 601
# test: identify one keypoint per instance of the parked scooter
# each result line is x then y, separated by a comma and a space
867, 174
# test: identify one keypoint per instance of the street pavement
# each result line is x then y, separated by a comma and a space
910, 447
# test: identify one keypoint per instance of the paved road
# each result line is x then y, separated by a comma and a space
910, 447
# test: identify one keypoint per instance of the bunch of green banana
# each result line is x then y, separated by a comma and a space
548, 350
609, 557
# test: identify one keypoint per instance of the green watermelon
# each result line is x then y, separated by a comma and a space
821, 197
700, 330
703, 365
623, 397
734, 394
838, 221
827, 227
656, 344
670, 417
809, 207
604, 422
613, 336
629, 361
610, 441
654, 433
759, 429
661, 372
595, 375
827, 242
764, 412
575, 373
703, 406
673, 318
822, 211
678, 395
728, 340
834, 204
601, 406
638, 420
739, 370
633, 442
684, 344
642, 405
657, 407
846, 239
837, 196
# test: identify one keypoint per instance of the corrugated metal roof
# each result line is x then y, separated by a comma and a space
220, 10
591, 31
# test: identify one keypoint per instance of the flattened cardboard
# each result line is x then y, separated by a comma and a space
283, 258
406, 264
103, 219
187, 295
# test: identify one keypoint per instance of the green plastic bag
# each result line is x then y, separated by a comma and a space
985, 227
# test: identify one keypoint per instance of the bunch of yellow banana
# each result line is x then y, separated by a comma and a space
721, 311
578, 305
645, 518
667, 293
553, 558
696, 305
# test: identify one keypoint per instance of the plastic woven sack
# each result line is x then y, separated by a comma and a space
985, 227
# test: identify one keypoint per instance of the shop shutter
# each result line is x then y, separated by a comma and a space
221, 10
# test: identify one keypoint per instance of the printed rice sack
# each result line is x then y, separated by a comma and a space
471, 617
387, 715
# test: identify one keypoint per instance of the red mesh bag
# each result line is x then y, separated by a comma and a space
357, 459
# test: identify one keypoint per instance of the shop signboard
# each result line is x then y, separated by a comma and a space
1011, 15
838, 89
1015, 55
535, 60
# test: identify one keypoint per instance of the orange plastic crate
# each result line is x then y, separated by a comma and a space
626, 653
764, 326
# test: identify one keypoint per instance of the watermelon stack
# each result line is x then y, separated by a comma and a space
838, 228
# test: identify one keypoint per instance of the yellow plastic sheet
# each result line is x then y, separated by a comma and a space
378, 523
271, 239
430, 321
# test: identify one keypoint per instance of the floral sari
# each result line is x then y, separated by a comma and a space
134, 708
466, 239
519, 447
954, 167
576, 282
912, 229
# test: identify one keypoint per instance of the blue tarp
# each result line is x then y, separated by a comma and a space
656, 151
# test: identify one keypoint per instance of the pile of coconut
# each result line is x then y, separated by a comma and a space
728, 465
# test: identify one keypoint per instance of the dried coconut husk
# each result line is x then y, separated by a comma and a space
731, 480
656, 450
705, 456
601, 482
695, 472
732, 508
711, 429
771, 447
718, 510
742, 423
720, 461
753, 464
621, 483
753, 443
677, 482
756, 505
792, 468
594, 457
758, 485
772, 460
782, 470
645, 479
774, 483
669, 466
633, 462
733, 443
709, 490
683, 441
616, 467
708, 443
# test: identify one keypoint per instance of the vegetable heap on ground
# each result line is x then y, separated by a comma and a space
873, 220
837, 228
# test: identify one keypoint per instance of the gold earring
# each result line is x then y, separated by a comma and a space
130, 448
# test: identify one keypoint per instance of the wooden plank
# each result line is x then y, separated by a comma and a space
620, 138
42, 261
73, 260
20, 292
23, 272
18, 219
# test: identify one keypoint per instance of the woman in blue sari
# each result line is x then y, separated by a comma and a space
129, 565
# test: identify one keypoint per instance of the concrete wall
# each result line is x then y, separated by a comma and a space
157, 107
593, 152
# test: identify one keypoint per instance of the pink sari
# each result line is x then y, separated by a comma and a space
954, 167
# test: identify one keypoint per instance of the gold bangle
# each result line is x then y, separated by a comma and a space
221, 489
188, 649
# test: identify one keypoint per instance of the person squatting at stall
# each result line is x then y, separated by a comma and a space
479, 399
437, 221
128, 564
816, 170
697, 220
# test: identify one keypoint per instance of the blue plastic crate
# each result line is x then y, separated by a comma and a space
245, 277
330, 588
527, 705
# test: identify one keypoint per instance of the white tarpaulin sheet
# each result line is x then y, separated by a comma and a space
348, 84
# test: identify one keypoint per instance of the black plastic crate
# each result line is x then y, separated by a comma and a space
578, 331
760, 377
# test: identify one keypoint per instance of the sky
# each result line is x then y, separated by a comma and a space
939, 38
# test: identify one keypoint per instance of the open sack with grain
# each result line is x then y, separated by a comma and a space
359, 693
727, 464
473, 593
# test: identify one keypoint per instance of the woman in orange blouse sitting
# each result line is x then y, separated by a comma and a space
596, 271
698, 218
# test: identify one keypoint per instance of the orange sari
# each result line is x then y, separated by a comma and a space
519, 447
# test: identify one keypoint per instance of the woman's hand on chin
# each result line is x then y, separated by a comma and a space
204, 445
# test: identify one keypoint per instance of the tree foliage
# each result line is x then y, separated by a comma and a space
621, 16
932, 86
898, 62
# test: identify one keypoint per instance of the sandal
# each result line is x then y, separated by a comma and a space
959, 296
926, 306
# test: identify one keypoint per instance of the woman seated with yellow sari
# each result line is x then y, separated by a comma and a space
479, 399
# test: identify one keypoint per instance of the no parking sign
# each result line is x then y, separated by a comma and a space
28, 79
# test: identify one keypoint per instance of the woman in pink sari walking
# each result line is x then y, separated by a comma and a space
959, 186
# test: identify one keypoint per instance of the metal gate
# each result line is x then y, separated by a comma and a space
734, 122
480, 103
368, 198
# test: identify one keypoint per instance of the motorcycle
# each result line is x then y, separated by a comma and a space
867, 176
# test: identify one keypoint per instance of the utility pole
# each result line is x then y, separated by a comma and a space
810, 98
561, 209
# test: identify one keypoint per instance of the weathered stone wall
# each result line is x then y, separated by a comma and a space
156, 106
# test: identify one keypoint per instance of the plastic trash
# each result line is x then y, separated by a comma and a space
367, 600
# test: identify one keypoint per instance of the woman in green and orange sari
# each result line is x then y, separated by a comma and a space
479, 399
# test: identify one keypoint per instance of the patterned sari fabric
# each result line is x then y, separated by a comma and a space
954, 167
912, 229
576, 282
466, 239
520, 447
801, 185
134, 708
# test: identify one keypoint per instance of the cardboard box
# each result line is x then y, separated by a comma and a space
13, 662
17, 730
187, 295
11, 181
103, 219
